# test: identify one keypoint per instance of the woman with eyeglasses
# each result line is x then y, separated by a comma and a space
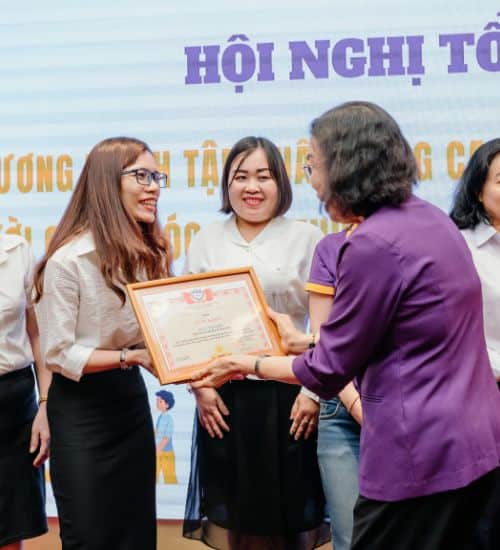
103, 447
24, 430
476, 211
255, 481
407, 324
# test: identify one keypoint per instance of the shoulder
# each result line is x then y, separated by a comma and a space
330, 244
17, 249
468, 235
11, 242
210, 231
17, 252
367, 248
78, 246
68, 257
300, 230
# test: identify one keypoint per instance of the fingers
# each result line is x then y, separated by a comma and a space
222, 406
35, 438
214, 424
196, 384
310, 428
43, 452
213, 380
303, 427
206, 425
211, 409
272, 314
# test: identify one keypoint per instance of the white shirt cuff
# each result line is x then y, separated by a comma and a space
310, 394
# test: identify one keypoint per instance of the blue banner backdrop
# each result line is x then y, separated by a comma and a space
191, 78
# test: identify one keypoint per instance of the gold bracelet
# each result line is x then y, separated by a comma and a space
357, 398
42, 399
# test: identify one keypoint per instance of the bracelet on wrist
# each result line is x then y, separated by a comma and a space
312, 343
357, 398
42, 399
256, 365
123, 360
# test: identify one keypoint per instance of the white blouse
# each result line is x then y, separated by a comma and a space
281, 255
16, 270
484, 244
78, 312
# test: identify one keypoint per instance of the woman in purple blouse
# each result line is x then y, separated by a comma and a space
407, 324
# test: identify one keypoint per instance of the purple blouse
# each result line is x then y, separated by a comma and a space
407, 322
322, 278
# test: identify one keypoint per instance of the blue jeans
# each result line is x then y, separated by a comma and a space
338, 456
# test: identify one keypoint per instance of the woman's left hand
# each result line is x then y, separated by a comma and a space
223, 369
305, 415
40, 436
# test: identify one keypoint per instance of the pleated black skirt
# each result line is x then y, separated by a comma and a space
257, 488
103, 461
22, 487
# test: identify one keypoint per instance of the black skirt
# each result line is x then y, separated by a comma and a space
440, 521
103, 461
257, 488
22, 487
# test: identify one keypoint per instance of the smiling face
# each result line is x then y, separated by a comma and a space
140, 200
490, 193
253, 192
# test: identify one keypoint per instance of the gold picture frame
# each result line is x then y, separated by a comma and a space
189, 320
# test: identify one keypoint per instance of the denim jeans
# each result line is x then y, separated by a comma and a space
338, 456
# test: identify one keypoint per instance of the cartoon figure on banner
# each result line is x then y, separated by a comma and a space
164, 430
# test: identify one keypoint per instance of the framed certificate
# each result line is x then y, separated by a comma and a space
188, 321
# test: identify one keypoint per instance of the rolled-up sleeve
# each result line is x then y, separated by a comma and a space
369, 286
57, 313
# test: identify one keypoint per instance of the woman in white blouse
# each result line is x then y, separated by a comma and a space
254, 478
476, 211
103, 448
24, 431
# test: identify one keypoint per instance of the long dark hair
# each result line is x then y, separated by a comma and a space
277, 169
124, 246
368, 161
467, 210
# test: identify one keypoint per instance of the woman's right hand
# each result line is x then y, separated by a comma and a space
140, 356
292, 340
211, 409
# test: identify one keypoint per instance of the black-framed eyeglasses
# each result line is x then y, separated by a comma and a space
145, 177
307, 170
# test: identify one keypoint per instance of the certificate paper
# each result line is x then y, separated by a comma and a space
187, 321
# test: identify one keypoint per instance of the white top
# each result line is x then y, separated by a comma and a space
78, 312
281, 255
16, 270
484, 244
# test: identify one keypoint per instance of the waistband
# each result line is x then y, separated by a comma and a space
18, 373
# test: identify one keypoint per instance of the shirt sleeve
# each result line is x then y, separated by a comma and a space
321, 277
57, 313
28, 275
369, 287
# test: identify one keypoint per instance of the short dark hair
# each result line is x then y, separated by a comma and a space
167, 396
467, 210
368, 161
276, 166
